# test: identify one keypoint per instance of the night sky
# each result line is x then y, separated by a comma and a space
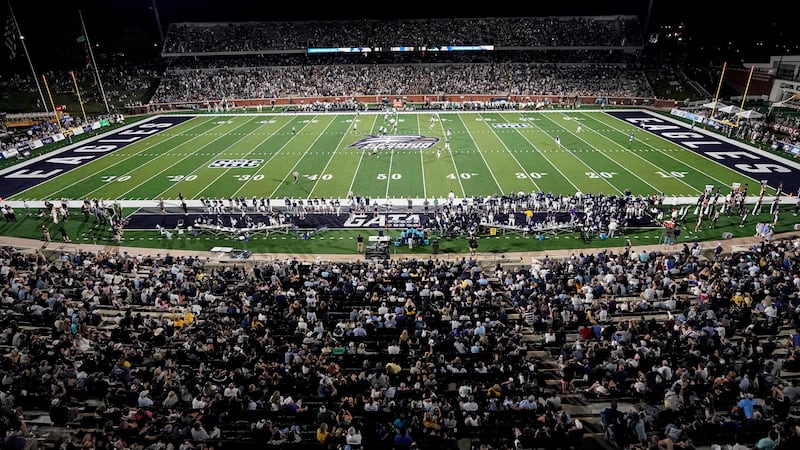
129, 26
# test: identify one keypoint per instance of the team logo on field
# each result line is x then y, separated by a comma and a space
381, 220
395, 142
511, 125
235, 163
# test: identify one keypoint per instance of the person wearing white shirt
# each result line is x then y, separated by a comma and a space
770, 311
144, 399
371, 405
472, 420
353, 436
199, 403
602, 315
528, 403
383, 309
470, 405
231, 392
665, 371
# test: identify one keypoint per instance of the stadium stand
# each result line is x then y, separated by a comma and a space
638, 348
123, 349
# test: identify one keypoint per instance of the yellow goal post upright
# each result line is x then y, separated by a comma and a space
719, 87
744, 96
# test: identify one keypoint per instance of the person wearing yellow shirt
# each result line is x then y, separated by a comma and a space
738, 299
494, 391
322, 433
748, 299
590, 316
430, 422
393, 368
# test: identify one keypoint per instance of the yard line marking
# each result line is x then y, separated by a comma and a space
453, 159
554, 166
608, 182
389, 172
607, 157
266, 163
640, 157
535, 185
422, 161
675, 149
303, 155
491, 172
330, 158
215, 155
83, 180
361, 158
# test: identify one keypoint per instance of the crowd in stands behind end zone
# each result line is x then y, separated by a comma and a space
156, 352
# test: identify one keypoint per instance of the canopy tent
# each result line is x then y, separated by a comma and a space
750, 114
714, 105
730, 109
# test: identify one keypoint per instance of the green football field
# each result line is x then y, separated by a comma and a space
221, 156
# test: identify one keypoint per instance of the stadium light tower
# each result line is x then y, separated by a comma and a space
158, 22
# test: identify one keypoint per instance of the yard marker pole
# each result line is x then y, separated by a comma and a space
746, 88
55, 112
94, 63
78, 91
719, 86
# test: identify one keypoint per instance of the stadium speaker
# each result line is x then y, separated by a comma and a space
727, 235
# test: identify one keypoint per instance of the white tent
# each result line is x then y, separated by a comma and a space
730, 109
714, 105
750, 114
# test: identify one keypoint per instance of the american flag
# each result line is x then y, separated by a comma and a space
11, 36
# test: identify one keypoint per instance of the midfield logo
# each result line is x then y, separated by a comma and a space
395, 142
235, 163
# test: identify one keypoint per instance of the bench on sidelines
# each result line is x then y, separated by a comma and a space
553, 229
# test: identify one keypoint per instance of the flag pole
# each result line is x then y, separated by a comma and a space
55, 112
94, 63
27, 56
78, 92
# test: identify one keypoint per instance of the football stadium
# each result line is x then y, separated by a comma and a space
519, 232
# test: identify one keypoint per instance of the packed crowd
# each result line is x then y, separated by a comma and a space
541, 212
713, 371
346, 81
44, 128
138, 351
534, 57
617, 56
500, 32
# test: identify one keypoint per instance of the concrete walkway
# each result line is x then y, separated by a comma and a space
522, 258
